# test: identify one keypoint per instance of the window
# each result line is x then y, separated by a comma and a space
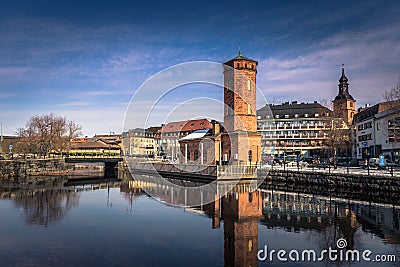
249, 85
378, 126
196, 155
276, 116
316, 115
248, 109
286, 116
306, 115
250, 155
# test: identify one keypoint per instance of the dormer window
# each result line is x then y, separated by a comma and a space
277, 116
306, 115
316, 115
286, 116
296, 115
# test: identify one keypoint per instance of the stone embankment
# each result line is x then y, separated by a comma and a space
335, 180
17, 169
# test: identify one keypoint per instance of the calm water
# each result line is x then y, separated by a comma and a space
117, 224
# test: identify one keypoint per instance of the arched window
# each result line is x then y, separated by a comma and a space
196, 155
250, 155
248, 109
249, 85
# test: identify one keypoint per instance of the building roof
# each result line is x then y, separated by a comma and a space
196, 134
292, 109
240, 57
370, 112
343, 88
93, 145
186, 126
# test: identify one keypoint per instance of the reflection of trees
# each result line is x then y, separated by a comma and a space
43, 206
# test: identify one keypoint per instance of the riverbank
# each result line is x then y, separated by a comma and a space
21, 168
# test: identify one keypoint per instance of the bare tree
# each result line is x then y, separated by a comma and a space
326, 103
339, 138
44, 133
394, 93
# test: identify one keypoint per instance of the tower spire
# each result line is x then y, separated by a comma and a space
342, 69
240, 51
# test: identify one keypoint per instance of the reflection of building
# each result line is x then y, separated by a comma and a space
241, 212
294, 128
377, 130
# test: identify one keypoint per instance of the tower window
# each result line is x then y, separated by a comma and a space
248, 109
249, 85
351, 104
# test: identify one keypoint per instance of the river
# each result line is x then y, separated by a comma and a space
117, 223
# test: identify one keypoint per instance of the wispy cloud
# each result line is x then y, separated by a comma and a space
369, 59
76, 104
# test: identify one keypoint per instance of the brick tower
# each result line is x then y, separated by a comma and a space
240, 119
344, 104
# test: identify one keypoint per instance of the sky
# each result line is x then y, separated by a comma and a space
85, 59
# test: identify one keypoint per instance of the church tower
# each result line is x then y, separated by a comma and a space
344, 104
240, 119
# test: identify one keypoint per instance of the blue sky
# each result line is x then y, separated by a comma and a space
84, 60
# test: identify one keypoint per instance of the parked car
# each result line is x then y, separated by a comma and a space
278, 160
308, 160
363, 163
353, 163
374, 163
342, 161
319, 163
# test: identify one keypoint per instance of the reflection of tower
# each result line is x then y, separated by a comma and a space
344, 104
241, 212
240, 110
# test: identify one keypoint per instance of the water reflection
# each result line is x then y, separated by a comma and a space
322, 219
42, 206
243, 220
